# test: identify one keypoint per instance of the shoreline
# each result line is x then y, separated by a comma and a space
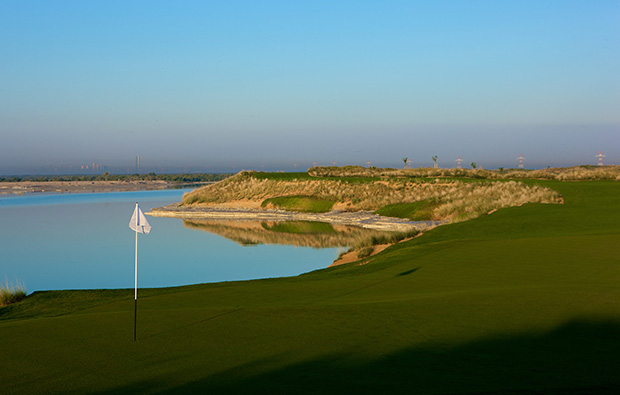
362, 219
36, 187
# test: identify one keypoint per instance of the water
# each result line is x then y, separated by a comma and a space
83, 241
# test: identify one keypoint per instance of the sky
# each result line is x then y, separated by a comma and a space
281, 85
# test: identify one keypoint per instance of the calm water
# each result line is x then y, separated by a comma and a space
83, 241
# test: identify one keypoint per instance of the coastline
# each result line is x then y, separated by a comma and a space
362, 219
30, 187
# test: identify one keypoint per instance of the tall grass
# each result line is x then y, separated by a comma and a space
11, 293
576, 173
453, 199
384, 238
365, 246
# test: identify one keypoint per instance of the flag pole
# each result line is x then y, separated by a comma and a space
135, 314
139, 224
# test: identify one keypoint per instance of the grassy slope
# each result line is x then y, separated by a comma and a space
416, 211
526, 298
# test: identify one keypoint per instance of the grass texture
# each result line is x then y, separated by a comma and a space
526, 300
456, 200
11, 293
575, 173
415, 211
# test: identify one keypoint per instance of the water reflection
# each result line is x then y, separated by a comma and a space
297, 233
82, 241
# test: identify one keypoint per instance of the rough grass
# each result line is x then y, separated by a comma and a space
524, 301
282, 176
456, 200
365, 245
304, 204
11, 293
576, 173
364, 252
384, 238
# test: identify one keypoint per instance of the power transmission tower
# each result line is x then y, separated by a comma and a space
600, 157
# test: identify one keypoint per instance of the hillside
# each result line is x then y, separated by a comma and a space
447, 198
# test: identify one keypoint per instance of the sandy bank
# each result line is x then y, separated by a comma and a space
351, 256
363, 219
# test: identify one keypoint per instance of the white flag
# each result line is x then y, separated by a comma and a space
138, 221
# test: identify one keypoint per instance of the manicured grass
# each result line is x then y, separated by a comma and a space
304, 204
416, 211
526, 300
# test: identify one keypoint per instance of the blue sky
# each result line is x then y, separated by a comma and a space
226, 85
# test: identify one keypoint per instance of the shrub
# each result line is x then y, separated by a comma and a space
384, 238
11, 293
365, 251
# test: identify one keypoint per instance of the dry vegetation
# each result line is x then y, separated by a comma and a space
457, 200
11, 293
577, 173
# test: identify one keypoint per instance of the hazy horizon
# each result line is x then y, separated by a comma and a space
221, 87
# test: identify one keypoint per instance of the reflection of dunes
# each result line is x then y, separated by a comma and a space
255, 232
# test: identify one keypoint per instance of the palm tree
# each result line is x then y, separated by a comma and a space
405, 162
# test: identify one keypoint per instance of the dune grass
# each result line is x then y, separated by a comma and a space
11, 293
384, 238
575, 173
456, 200
522, 301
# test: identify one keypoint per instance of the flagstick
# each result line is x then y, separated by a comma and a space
139, 224
135, 314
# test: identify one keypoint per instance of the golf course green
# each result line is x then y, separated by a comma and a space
525, 300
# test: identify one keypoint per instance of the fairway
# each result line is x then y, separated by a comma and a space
525, 300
